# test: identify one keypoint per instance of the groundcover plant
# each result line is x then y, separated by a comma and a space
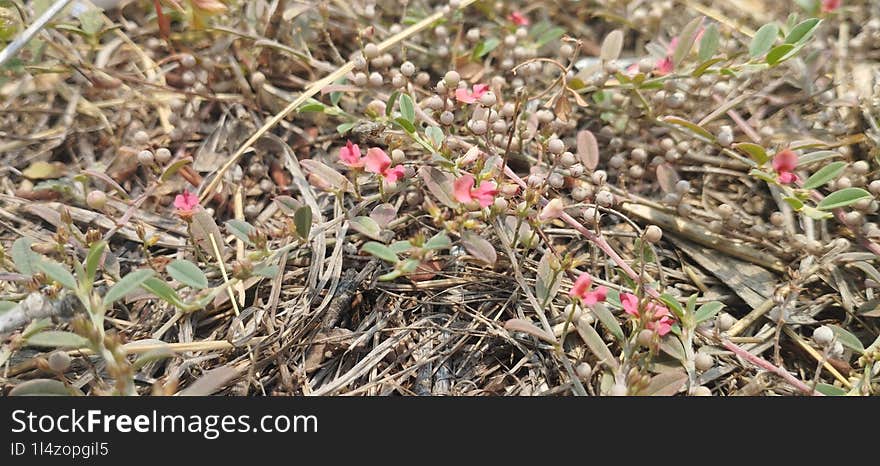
416, 197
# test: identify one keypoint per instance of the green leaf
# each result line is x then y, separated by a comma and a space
437, 242
389, 107
36, 326
609, 321
779, 53
763, 40
380, 251
815, 213
343, 128
826, 174
44, 387
703, 67
843, 198
405, 124
57, 272
91, 21
547, 283
127, 284
162, 290
436, 135
93, 258
241, 230
596, 344
707, 311
830, 390
367, 227
794, 202
57, 339
408, 265
817, 156
549, 35
709, 43
754, 151
400, 247
407, 109
768, 177
847, 339
673, 305
175, 167
268, 271
665, 384
691, 126
479, 247
302, 219
312, 107
24, 258
686, 40
486, 46
803, 31
187, 273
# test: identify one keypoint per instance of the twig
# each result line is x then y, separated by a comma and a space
36, 306
767, 365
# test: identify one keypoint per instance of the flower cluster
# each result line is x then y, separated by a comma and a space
376, 161
658, 317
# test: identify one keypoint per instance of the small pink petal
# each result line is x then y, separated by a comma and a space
830, 5
785, 160
464, 96
351, 155
630, 304
518, 18
461, 188
186, 201
663, 67
485, 193
480, 89
376, 160
393, 174
786, 178
581, 285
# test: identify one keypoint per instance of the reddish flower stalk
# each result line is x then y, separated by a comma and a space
766, 365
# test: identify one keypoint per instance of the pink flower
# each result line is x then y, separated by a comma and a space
463, 191
581, 287
830, 5
469, 97
552, 210
518, 18
659, 318
350, 155
186, 203
784, 162
665, 66
377, 161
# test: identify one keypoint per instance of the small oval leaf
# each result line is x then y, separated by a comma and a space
479, 247
380, 251
187, 273
57, 339
824, 175
843, 198
587, 149
612, 45
43, 387
127, 284
522, 325
763, 40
